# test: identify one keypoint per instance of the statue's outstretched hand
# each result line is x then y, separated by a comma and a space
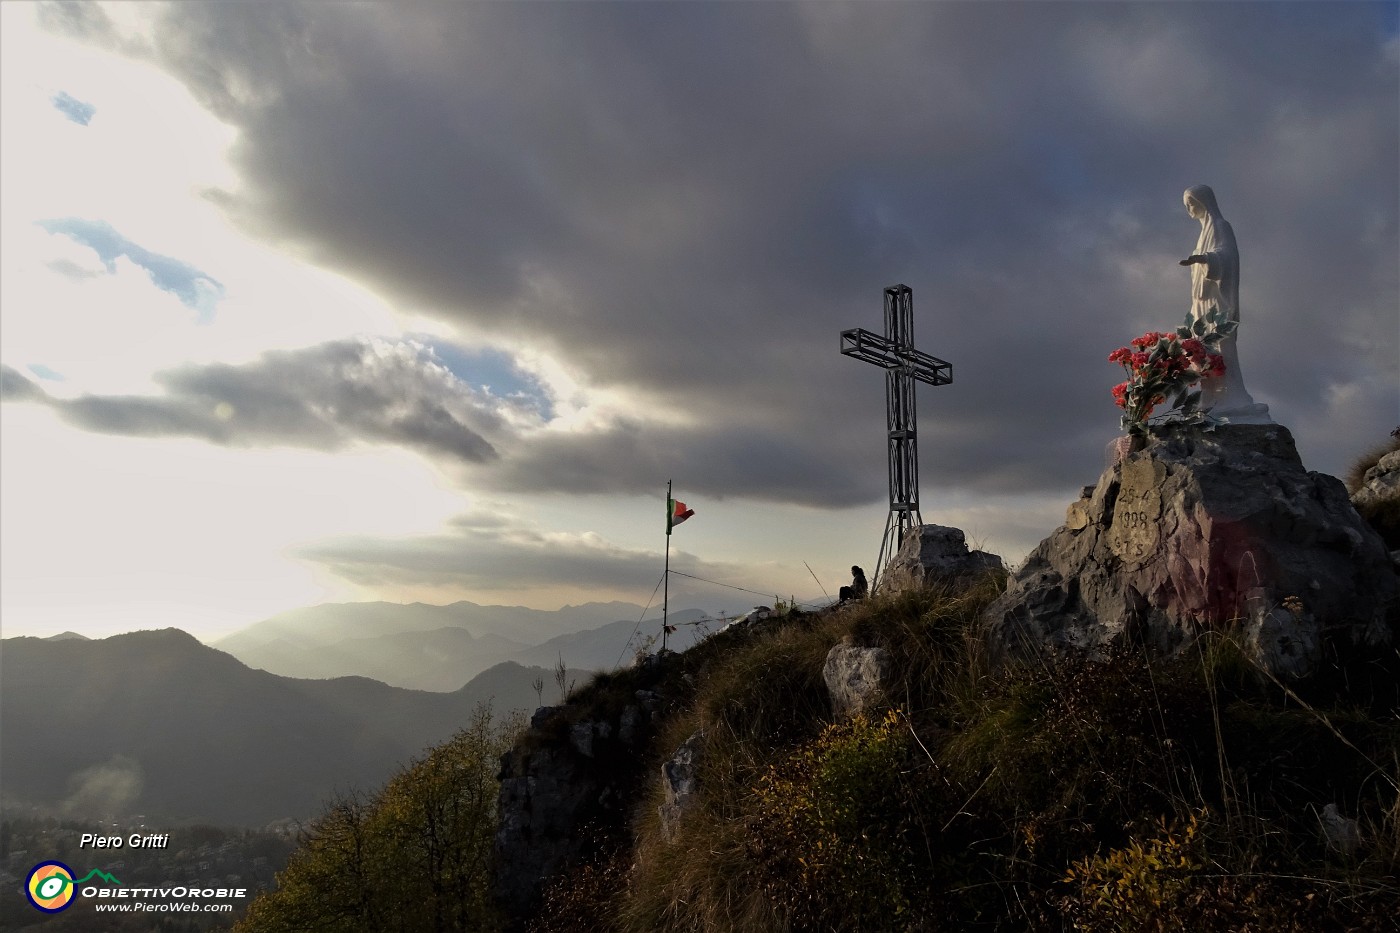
1192, 260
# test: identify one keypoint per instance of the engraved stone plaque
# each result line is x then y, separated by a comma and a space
1136, 527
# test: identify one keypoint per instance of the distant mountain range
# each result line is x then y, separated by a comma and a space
279, 716
425, 647
157, 723
365, 620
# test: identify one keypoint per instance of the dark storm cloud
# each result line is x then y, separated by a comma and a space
322, 397
718, 462
691, 201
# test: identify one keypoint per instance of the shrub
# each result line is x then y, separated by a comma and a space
1170, 880
1082, 743
415, 856
1137, 886
835, 825
584, 899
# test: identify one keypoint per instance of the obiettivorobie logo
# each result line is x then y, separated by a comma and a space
50, 886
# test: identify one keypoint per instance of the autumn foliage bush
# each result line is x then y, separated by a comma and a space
834, 826
413, 856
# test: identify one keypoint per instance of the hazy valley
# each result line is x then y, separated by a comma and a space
426, 647
282, 715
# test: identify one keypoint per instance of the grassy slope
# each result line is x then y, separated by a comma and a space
1110, 794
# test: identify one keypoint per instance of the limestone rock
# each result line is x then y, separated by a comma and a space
1341, 833
1200, 530
933, 554
629, 724
855, 676
581, 738
679, 781
1381, 481
543, 797
560, 783
1378, 501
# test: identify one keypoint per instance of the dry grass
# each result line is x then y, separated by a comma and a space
1002, 781
1356, 475
1383, 515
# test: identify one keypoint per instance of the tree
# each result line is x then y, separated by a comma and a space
414, 857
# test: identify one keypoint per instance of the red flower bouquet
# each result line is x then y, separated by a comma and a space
1162, 366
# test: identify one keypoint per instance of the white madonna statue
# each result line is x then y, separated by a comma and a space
1215, 282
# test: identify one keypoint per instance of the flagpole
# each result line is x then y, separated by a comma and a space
666, 588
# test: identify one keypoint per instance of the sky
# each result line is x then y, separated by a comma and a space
425, 302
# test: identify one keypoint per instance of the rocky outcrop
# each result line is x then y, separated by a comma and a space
1381, 482
1339, 832
1377, 500
560, 779
679, 783
936, 554
1205, 530
855, 676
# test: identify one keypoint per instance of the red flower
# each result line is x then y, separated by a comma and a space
1150, 339
1159, 364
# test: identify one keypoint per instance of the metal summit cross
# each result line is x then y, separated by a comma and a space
903, 365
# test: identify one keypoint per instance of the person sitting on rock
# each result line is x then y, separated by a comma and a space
858, 589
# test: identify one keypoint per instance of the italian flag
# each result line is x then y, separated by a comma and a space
676, 512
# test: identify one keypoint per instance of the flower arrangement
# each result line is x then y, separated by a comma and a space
1166, 365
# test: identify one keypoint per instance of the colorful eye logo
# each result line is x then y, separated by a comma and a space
50, 886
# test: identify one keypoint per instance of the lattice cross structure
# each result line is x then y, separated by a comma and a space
904, 366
